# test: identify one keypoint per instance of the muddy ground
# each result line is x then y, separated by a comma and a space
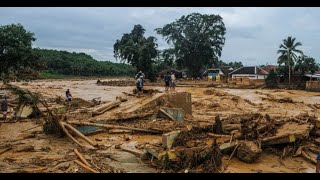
52, 154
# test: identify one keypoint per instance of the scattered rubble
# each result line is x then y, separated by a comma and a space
116, 83
184, 139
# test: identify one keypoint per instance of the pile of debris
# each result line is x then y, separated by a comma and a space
116, 83
199, 149
187, 145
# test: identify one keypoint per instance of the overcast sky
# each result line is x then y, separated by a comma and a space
253, 34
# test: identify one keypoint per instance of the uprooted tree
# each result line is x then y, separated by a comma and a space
137, 50
17, 58
197, 40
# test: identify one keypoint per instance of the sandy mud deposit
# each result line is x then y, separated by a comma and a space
109, 128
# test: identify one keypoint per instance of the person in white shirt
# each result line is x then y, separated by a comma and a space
173, 81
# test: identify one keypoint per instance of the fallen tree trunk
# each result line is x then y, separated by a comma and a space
306, 156
117, 127
85, 167
69, 136
286, 138
81, 157
227, 128
219, 135
105, 108
79, 134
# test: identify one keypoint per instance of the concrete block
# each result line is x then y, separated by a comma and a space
168, 139
176, 113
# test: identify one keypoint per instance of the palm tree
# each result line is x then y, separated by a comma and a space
287, 53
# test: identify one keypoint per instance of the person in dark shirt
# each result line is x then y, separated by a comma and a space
4, 107
68, 95
167, 80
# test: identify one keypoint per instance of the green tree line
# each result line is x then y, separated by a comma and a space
81, 64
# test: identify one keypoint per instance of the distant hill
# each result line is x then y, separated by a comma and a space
81, 64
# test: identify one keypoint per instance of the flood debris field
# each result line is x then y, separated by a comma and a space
108, 128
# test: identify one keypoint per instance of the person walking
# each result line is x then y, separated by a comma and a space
139, 85
140, 73
173, 81
167, 81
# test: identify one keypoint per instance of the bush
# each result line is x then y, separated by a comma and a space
271, 80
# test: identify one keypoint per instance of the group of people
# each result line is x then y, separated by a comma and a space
170, 81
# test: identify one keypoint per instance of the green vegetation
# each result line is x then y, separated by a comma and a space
271, 80
234, 65
137, 50
17, 58
197, 40
287, 51
81, 64
19, 61
306, 64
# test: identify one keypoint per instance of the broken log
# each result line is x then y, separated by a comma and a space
69, 136
306, 156
85, 166
219, 135
286, 138
117, 127
81, 157
105, 108
80, 134
230, 127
